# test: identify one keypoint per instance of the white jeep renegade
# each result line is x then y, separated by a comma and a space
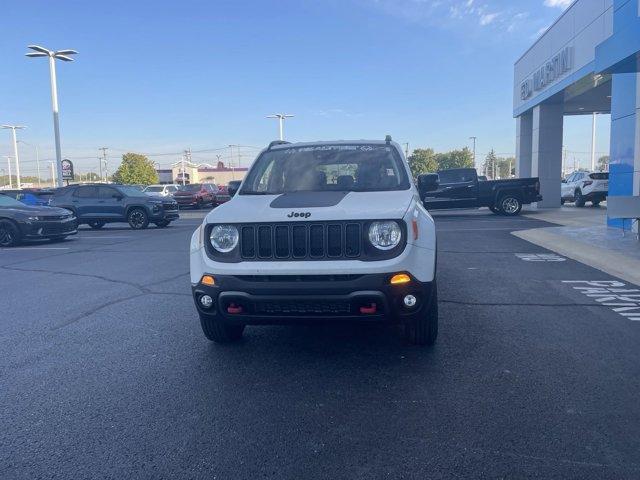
326, 231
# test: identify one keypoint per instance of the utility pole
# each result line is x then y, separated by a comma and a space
53, 174
474, 150
9, 165
104, 159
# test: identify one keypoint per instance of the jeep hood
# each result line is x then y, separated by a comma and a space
321, 206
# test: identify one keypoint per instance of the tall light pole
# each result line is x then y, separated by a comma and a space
15, 149
37, 159
9, 167
63, 55
281, 118
474, 150
593, 142
104, 159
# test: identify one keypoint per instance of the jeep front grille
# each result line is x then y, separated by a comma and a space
301, 241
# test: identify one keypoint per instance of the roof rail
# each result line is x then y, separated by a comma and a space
277, 142
388, 139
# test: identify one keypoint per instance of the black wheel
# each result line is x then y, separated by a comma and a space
96, 224
163, 223
138, 219
57, 239
9, 234
510, 205
220, 332
562, 201
495, 210
579, 199
424, 329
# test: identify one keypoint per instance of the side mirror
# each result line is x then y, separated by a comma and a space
427, 183
232, 190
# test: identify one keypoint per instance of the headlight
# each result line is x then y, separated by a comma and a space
385, 235
224, 238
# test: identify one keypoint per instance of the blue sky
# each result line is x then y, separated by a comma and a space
163, 76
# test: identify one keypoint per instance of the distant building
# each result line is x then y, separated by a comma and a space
220, 174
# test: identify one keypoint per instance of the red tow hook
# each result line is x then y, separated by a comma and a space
370, 310
234, 309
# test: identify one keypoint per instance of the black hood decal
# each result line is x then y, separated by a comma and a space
308, 199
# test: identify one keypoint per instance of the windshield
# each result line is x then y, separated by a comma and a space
191, 188
154, 189
131, 191
9, 202
350, 168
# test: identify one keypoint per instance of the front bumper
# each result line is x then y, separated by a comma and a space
164, 214
49, 229
186, 201
284, 299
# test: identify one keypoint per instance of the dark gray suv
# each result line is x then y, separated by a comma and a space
97, 205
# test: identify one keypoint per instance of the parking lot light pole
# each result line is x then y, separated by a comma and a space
15, 150
63, 55
9, 167
281, 118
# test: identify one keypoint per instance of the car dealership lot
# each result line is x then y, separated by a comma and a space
105, 371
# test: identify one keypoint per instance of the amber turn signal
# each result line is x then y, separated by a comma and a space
208, 280
400, 278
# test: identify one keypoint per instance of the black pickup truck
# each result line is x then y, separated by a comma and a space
460, 188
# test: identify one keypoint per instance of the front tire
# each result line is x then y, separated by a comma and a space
138, 219
579, 199
96, 224
510, 205
9, 234
424, 329
220, 332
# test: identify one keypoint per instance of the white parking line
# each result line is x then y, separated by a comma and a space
623, 300
103, 238
540, 257
18, 249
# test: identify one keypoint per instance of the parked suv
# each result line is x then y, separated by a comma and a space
582, 187
329, 231
196, 195
97, 205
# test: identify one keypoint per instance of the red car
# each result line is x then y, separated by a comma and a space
223, 195
196, 195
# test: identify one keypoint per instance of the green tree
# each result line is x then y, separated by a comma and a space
422, 160
455, 159
490, 166
135, 169
506, 167
603, 163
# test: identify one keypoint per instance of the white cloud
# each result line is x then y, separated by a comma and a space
488, 18
558, 3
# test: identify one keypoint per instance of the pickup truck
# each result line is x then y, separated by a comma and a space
460, 188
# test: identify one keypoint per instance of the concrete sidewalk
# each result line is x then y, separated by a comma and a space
583, 235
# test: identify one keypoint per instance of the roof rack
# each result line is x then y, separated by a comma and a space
277, 142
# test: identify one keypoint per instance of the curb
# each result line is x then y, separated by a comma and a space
613, 263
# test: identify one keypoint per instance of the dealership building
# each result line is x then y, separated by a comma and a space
586, 62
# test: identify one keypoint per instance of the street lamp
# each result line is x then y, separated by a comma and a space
37, 159
15, 149
9, 167
281, 117
63, 55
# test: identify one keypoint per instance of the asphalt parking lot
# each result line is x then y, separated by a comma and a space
105, 373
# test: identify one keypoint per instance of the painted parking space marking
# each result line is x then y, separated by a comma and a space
20, 249
622, 298
540, 257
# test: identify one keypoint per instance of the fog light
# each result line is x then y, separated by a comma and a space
410, 301
400, 279
206, 301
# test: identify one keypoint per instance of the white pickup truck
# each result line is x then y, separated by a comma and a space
326, 231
